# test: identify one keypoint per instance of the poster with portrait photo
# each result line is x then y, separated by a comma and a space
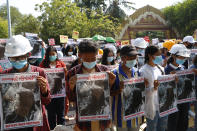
2, 48
186, 86
192, 56
167, 92
57, 83
140, 61
133, 97
36, 44
5, 64
93, 97
68, 61
21, 102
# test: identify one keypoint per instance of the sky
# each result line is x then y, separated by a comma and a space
27, 6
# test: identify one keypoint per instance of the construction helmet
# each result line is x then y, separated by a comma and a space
189, 39
180, 50
140, 43
168, 44
17, 45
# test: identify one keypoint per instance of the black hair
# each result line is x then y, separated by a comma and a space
66, 50
46, 61
106, 52
150, 50
125, 50
87, 46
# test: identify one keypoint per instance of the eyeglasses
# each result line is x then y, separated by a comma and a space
14, 59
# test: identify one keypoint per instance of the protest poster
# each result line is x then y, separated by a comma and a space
140, 61
56, 79
68, 61
126, 42
2, 48
51, 41
36, 44
63, 39
93, 97
75, 35
167, 92
186, 86
133, 98
21, 102
192, 55
5, 64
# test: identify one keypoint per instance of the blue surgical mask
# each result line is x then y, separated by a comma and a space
141, 51
52, 58
70, 53
158, 60
131, 63
18, 64
110, 59
89, 65
180, 61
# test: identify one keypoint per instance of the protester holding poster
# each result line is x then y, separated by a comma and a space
108, 59
179, 120
124, 71
56, 109
69, 51
18, 50
151, 71
88, 51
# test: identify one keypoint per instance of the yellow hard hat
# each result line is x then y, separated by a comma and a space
168, 44
100, 52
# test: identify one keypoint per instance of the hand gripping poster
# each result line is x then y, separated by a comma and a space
133, 98
21, 102
186, 86
57, 84
93, 97
167, 92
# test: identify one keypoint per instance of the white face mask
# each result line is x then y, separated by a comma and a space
70, 53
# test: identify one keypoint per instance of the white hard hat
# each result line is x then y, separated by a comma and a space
112, 47
180, 50
160, 45
189, 39
17, 45
140, 43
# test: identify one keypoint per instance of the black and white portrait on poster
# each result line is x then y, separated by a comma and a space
167, 91
36, 44
192, 55
93, 97
186, 86
21, 102
57, 83
133, 98
2, 48
68, 61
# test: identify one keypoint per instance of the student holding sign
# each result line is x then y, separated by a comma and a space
18, 50
125, 71
56, 108
87, 52
151, 71
178, 121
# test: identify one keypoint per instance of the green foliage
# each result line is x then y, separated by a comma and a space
3, 28
28, 23
182, 16
15, 14
62, 17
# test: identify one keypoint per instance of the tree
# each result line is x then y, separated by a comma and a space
115, 8
28, 23
15, 14
182, 17
62, 17
3, 28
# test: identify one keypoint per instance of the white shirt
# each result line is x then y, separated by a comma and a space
151, 74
